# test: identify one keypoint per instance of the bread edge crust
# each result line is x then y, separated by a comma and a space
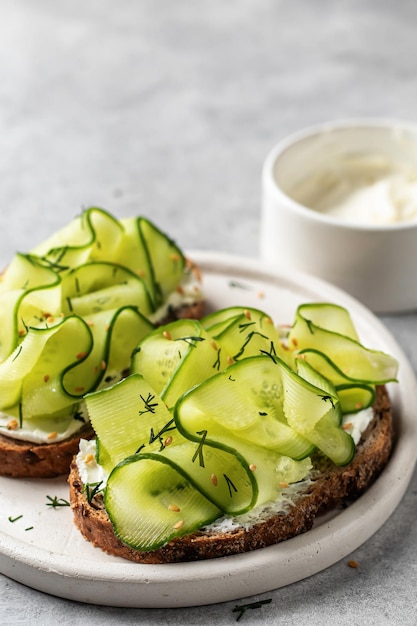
331, 488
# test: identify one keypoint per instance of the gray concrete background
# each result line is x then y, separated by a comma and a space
167, 109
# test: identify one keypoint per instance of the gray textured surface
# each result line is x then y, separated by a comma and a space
168, 109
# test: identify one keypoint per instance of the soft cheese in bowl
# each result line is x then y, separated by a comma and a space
340, 202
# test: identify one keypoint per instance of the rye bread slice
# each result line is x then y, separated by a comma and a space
25, 459
331, 487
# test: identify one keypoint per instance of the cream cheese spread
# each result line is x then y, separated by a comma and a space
42, 429
362, 190
90, 471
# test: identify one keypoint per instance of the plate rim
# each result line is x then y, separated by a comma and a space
186, 584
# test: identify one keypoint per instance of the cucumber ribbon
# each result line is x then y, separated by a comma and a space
221, 415
74, 308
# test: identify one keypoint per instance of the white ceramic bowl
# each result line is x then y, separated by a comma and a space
371, 257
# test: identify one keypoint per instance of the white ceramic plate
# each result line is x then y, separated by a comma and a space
44, 550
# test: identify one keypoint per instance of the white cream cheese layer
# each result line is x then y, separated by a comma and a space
43, 430
90, 471
356, 423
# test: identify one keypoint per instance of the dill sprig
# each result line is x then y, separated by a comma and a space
55, 502
92, 489
245, 607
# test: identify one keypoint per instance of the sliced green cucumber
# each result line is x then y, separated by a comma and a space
102, 286
220, 473
168, 262
29, 294
217, 321
175, 357
325, 432
127, 417
328, 316
134, 254
246, 400
92, 236
332, 440
150, 501
353, 396
349, 356
32, 378
115, 335
247, 333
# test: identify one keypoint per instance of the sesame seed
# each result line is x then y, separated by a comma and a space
213, 344
89, 458
247, 314
260, 294
46, 378
12, 425
197, 273
81, 355
178, 524
347, 426
52, 435
79, 389
230, 360
214, 479
284, 485
252, 467
353, 564
103, 365
294, 342
174, 507
168, 441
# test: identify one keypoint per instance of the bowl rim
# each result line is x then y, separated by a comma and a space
271, 187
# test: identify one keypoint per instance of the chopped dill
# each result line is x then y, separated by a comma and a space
245, 607
55, 502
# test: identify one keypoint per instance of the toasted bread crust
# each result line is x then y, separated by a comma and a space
24, 459
331, 487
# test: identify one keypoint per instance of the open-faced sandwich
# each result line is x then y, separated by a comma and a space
231, 434
71, 312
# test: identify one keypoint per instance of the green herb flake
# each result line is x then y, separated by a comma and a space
253, 605
199, 451
238, 285
92, 489
55, 502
